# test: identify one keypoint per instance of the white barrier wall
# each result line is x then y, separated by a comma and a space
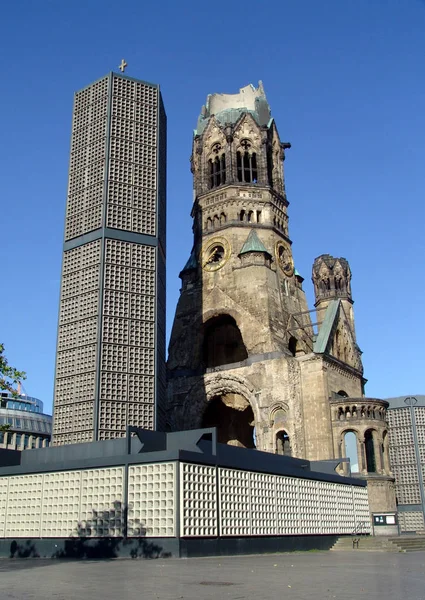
85, 503
152, 500
213, 501
261, 504
198, 500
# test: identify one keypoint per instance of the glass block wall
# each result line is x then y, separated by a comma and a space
407, 442
110, 362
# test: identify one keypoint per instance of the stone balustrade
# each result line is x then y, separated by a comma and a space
355, 409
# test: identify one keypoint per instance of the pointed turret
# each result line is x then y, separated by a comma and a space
254, 252
332, 280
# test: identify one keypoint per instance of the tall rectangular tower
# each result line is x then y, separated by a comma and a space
110, 359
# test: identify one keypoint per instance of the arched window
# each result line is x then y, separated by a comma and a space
283, 445
370, 451
250, 216
258, 216
246, 165
217, 171
350, 442
223, 343
343, 394
242, 215
209, 223
222, 218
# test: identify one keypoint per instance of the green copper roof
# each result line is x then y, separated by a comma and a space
325, 330
192, 263
300, 277
253, 244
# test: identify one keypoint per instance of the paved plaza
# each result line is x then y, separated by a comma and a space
298, 576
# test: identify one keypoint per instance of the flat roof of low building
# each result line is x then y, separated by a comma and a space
400, 401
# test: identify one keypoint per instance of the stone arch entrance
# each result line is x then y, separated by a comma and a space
233, 417
230, 404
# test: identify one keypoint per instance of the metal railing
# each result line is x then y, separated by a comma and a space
358, 531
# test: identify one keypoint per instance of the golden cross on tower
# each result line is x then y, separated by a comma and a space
122, 66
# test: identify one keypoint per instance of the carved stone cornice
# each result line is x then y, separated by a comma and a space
343, 368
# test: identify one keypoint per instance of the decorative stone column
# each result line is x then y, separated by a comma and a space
361, 451
343, 454
386, 457
377, 443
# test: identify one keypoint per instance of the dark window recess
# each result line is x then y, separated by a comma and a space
292, 345
246, 165
283, 445
370, 452
217, 168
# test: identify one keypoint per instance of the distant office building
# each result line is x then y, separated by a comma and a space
29, 427
110, 364
406, 417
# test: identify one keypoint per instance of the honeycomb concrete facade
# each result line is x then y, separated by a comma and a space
111, 333
406, 417
246, 354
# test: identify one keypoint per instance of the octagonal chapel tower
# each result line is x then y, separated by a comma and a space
244, 355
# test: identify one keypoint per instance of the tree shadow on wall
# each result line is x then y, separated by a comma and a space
97, 538
24, 550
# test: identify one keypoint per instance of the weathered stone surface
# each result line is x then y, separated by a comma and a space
243, 335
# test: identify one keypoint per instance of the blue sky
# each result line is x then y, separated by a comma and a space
345, 81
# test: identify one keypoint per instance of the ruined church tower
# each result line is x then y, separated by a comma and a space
245, 355
239, 287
